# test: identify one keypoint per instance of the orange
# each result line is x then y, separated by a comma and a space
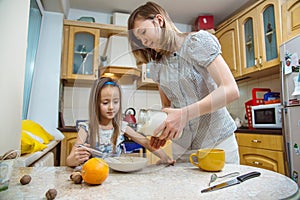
95, 171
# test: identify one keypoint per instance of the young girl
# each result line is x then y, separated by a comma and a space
104, 131
195, 83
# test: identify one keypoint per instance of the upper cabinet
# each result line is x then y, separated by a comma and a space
145, 81
251, 38
260, 37
229, 40
81, 53
81, 56
290, 19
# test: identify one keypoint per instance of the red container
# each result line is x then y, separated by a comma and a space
204, 23
254, 102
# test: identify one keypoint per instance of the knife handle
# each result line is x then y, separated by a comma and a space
245, 177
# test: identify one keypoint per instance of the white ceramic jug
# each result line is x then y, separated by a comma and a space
149, 120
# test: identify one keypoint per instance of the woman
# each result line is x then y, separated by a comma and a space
195, 83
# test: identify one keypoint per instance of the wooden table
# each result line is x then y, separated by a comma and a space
182, 181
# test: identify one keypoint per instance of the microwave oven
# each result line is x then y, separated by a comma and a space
267, 116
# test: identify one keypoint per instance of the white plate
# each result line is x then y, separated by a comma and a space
126, 164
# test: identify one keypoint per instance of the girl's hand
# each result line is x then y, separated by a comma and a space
164, 158
174, 124
169, 161
82, 154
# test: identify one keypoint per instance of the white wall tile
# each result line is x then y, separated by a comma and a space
76, 101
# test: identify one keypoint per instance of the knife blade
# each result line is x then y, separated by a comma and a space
232, 182
92, 151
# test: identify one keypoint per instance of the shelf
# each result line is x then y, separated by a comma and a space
146, 86
120, 71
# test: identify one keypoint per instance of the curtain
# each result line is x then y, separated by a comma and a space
34, 26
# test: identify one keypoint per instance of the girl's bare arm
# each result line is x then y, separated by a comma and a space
145, 142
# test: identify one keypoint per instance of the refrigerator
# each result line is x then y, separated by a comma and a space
290, 99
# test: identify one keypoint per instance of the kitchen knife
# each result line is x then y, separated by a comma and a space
234, 181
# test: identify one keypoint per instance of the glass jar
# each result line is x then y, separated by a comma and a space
149, 120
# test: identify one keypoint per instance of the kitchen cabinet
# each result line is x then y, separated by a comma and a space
260, 37
262, 150
229, 40
291, 19
80, 53
66, 146
152, 159
145, 81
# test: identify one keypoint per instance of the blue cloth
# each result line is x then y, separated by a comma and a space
130, 147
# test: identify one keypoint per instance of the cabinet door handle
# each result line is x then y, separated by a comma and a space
256, 141
257, 163
255, 62
260, 60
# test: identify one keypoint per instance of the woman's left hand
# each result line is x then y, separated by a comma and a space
174, 124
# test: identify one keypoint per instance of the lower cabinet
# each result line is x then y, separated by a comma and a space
66, 146
262, 150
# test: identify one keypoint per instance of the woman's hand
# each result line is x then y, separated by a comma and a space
82, 154
174, 124
156, 143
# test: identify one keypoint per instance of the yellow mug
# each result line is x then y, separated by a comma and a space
209, 159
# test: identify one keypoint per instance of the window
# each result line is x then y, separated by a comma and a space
34, 26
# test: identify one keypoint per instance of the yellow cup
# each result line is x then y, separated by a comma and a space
209, 159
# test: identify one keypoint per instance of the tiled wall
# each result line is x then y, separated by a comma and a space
76, 101
76, 98
237, 108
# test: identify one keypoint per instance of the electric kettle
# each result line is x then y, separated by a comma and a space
130, 117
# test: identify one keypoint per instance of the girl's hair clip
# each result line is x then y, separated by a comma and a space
110, 83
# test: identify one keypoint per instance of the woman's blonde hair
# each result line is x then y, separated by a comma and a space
95, 115
168, 44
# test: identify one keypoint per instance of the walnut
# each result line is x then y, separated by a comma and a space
25, 179
76, 177
51, 194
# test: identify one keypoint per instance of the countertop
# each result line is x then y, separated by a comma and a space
182, 181
274, 131
28, 159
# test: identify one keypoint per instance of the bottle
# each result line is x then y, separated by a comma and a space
149, 120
